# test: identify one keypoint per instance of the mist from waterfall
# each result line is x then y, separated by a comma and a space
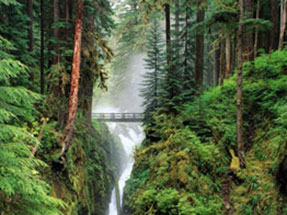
123, 97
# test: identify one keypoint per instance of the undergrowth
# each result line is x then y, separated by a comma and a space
183, 167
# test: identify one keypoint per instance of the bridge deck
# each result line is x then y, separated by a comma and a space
118, 117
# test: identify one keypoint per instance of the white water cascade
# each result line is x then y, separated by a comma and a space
122, 97
130, 140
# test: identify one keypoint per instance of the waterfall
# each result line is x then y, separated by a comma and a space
131, 138
123, 96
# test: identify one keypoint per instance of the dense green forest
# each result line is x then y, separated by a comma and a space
215, 101
42, 169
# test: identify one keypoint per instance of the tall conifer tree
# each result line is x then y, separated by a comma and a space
153, 78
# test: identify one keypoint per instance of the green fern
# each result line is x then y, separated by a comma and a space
21, 189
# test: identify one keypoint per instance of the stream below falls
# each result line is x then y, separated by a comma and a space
130, 135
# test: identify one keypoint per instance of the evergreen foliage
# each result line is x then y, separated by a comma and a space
191, 160
131, 29
188, 58
30, 122
154, 77
22, 190
185, 169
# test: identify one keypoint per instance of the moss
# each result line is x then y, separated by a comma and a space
86, 179
191, 155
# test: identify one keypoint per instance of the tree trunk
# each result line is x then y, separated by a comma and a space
87, 82
177, 44
30, 24
73, 100
30, 32
56, 31
67, 11
42, 49
199, 49
209, 70
216, 68
86, 94
186, 39
167, 33
274, 30
222, 63
282, 23
228, 55
249, 36
177, 33
257, 29
168, 46
239, 123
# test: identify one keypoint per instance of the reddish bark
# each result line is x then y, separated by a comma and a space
73, 100
282, 23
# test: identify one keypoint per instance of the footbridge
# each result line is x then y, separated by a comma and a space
118, 117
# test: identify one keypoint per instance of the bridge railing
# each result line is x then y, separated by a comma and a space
118, 116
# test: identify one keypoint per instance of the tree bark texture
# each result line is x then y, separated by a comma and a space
168, 46
282, 23
67, 11
86, 81
216, 68
73, 99
228, 55
274, 19
222, 63
167, 33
